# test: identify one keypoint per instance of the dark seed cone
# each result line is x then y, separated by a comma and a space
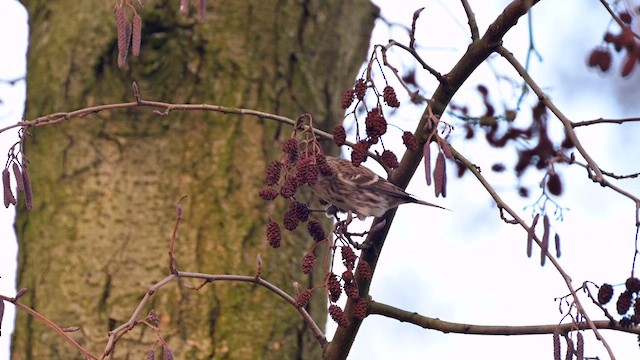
269, 194
600, 58
290, 220
359, 152
273, 234
364, 270
389, 96
333, 287
338, 316
633, 284
351, 289
624, 302
316, 230
290, 147
303, 298
348, 257
302, 211
360, 89
410, 141
375, 123
288, 189
554, 184
308, 261
273, 173
339, 135
360, 308
347, 276
347, 98
389, 159
323, 167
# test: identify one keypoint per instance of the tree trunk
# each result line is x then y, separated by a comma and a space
105, 186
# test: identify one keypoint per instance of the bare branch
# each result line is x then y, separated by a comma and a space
471, 17
460, 328
603, 121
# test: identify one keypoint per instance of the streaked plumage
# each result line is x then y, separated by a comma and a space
360, 190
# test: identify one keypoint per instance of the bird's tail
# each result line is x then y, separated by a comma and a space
429, 204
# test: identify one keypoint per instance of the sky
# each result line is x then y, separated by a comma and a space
13, 22
468, 265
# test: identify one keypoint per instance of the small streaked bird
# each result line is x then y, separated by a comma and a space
360, 190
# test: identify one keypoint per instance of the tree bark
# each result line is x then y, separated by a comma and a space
105, 186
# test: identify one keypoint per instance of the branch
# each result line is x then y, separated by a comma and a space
168, 107
592, 166
603, 121
473, 25
50, 324
502, 205
376, 308
116, 333
475, 55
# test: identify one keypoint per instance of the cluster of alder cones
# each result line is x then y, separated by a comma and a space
625, 42
627, 300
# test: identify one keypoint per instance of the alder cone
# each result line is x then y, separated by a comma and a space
554, 184
624, 302
633, 284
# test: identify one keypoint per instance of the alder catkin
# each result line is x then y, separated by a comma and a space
530, 235
123, 35
1, 314
167, 354
18, 176
9, 199
580, 347
426, 152
136, 35
28, 194
545, 240
556, 344
440, 176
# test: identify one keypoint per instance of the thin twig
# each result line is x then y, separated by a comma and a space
473, 25
50, 324
603, 121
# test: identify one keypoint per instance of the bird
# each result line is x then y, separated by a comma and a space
360, 190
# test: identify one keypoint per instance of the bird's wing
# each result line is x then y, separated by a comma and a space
365, 178
358, 176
